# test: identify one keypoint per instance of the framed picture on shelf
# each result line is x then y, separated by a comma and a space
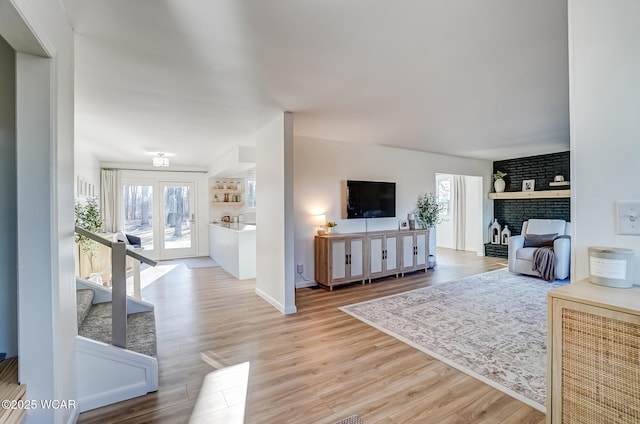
528, 185
403, 224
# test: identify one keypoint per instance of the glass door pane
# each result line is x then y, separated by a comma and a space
138, 213
179, 218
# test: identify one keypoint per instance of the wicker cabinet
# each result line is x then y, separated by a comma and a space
593, 362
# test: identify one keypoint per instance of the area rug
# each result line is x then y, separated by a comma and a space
491, 326
200, 262
354, 419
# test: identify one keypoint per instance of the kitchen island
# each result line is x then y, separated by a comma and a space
233, 247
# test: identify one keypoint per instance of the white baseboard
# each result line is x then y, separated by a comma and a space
303, 284
279, 306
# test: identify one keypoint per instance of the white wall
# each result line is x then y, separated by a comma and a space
274, 232
86, 167
320, 166
605, 125
8, 259
44, 128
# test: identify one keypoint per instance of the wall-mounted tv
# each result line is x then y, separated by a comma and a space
369, 199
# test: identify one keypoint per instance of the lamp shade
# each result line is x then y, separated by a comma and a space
319, 220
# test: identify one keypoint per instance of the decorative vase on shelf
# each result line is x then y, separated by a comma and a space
499, 185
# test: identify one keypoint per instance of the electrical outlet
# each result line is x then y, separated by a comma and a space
300, 268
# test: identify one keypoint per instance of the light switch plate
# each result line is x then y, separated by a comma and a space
628, 218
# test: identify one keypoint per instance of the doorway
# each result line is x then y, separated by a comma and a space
162, 214
460, 197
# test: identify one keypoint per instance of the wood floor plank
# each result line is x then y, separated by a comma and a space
317, 366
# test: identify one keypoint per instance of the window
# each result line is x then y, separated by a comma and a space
251, 194
443, 196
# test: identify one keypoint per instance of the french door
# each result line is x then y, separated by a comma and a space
163, 215
178, 219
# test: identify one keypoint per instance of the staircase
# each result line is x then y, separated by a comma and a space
11, 390
106, 373
94, 322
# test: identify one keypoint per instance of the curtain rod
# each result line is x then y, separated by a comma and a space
151, 170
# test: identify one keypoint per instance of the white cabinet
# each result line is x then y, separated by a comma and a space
339, 259
383, 255
344, 258
414, 251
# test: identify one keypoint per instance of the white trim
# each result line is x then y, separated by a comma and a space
279, 306
137, 375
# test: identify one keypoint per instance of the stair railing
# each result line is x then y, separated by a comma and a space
119, 253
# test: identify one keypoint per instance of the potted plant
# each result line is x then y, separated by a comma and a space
88, 217
427, 210
330, 226
498, 183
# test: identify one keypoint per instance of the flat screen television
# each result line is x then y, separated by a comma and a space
369, 199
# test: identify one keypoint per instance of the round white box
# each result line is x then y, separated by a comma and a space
610, 266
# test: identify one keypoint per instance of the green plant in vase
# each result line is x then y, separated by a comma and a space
331, 225
498, 183
88, 217
427, 210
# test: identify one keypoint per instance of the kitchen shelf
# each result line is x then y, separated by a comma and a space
224, 190
545, 194
227, 203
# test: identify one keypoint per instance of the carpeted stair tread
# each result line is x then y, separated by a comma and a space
84, 299
141, 328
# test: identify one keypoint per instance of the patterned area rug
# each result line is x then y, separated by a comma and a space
491, 326
354, 419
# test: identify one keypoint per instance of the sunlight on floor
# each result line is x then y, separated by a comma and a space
223, 396
149, 275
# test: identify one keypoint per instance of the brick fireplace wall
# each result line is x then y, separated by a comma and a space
542, 169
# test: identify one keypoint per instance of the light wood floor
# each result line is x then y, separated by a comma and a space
317, 366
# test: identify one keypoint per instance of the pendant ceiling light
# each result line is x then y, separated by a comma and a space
160, 160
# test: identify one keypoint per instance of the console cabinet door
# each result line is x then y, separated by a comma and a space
376, 256
391, 255
355, 267
408, 253
422, 250
338, 260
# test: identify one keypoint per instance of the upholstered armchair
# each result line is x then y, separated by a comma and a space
536, 232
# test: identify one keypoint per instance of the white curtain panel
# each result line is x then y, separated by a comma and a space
109, 188
459, 211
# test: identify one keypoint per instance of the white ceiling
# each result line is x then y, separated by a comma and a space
485, 79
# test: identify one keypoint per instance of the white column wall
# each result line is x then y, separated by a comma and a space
275, 267
45, 183
605, 126
320, 166
8, 258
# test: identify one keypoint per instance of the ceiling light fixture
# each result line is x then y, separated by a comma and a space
160, 160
